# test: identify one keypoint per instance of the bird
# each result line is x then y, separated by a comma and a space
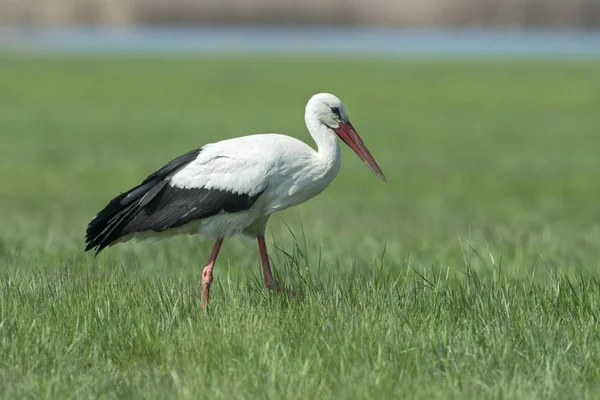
232, 187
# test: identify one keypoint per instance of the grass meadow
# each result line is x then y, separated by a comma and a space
473, 273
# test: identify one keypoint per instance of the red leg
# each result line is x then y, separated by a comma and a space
207, 273
270, 282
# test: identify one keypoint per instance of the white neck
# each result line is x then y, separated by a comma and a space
328, 149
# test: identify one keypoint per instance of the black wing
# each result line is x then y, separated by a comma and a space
157, 206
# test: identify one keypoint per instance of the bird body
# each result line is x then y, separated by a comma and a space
283, 170
233, 186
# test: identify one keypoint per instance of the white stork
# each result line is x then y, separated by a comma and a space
232, 187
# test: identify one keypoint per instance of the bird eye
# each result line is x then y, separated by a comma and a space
336, 111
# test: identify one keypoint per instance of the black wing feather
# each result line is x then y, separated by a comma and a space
157, 206
175, 207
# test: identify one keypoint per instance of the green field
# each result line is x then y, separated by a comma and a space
473, 272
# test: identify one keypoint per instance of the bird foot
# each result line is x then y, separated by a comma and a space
277, 288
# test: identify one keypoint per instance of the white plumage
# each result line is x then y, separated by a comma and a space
284, 170
233, 186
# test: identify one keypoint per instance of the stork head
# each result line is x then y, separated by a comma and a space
329, 111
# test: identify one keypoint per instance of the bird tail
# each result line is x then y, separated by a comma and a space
110, 223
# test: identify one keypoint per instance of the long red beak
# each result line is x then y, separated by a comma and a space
348, 134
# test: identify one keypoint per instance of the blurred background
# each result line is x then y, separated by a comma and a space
424, 13
330, 26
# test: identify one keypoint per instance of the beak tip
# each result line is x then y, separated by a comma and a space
378, 172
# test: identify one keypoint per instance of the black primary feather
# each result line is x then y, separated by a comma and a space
157, 206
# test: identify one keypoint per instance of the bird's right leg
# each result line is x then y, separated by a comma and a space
270, 281
207, 273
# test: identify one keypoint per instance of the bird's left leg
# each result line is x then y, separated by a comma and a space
207, 273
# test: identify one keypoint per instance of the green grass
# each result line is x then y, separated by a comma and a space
472, 273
